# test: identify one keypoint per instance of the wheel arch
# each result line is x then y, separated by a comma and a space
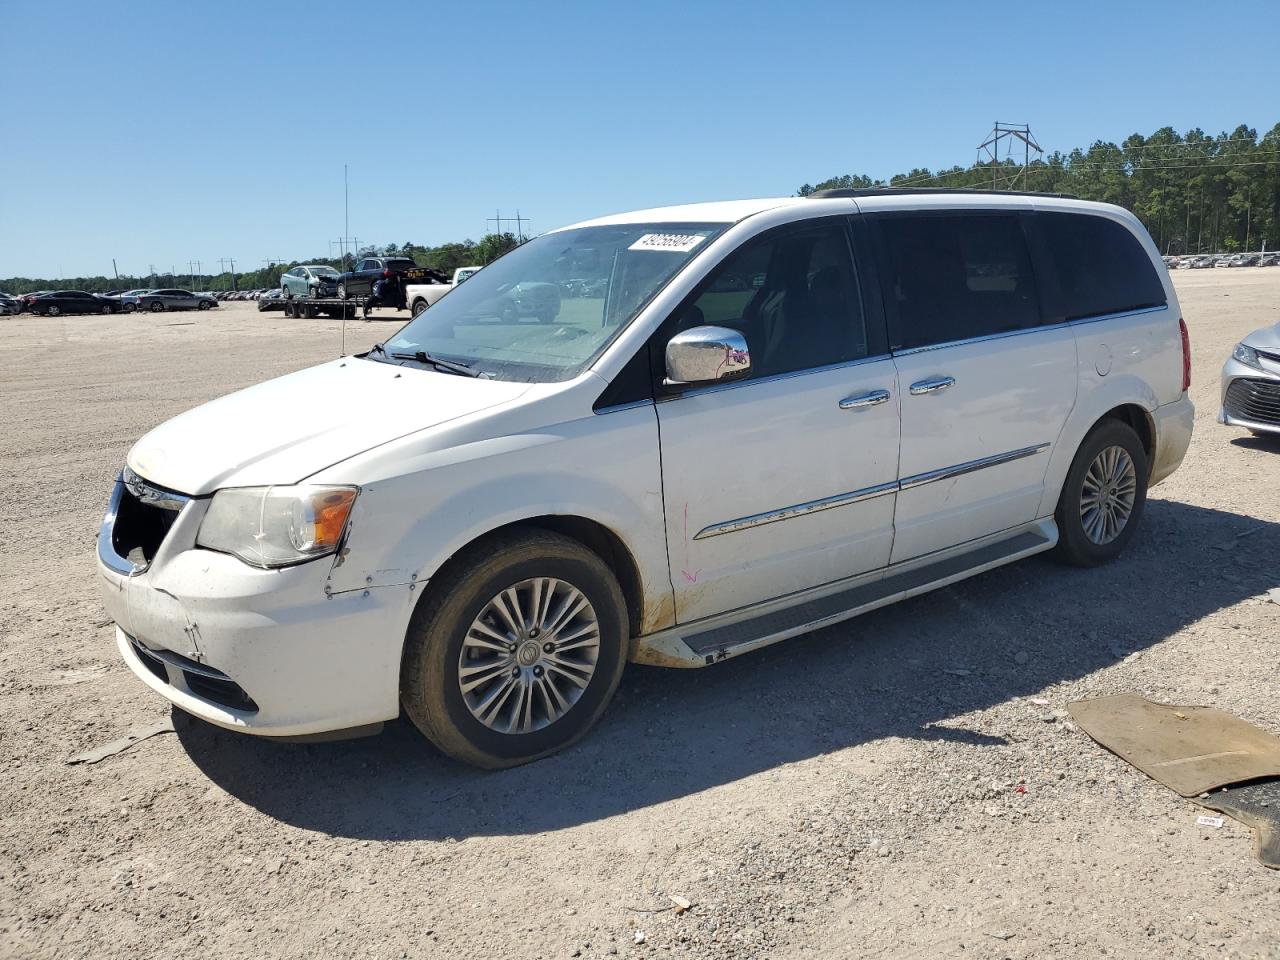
1140, 420
595, 536
1125, 398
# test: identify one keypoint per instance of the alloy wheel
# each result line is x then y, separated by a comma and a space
529, 655
1108, 495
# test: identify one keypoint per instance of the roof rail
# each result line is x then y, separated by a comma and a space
907, 191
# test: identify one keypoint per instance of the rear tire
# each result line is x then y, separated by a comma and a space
419, 306
52, 311
1103, 496
457, 636
157, 308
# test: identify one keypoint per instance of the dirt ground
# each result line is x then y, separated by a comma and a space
850, 793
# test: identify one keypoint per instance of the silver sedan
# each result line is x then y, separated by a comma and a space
158, 300
1251, 383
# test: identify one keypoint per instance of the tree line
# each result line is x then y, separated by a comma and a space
1193, 192
445, 258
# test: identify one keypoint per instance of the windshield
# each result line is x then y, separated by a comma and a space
548, 308
323, 271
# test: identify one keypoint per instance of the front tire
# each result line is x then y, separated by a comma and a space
1103, 497
342, 291
516, 650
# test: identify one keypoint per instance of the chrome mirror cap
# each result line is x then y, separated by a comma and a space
706, 354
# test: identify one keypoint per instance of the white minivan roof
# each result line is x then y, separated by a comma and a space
731, 211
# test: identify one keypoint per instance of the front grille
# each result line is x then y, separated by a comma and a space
1258, 401
203, 681
143, 521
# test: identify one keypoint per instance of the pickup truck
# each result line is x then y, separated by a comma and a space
419, 296
387, 279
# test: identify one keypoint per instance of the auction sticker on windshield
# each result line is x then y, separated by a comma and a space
670, 242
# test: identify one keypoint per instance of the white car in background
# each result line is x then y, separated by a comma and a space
766, 417
419, 296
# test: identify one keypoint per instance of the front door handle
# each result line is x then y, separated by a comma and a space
932, 385
874, 398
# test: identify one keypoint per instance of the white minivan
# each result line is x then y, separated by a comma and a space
742, 421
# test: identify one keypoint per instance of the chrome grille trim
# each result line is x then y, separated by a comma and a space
156, 496
1253, 399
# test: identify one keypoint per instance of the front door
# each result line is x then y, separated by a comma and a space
785, 480
986, 388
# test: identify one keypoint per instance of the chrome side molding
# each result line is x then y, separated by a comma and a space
866, 493
946, 473
797, 510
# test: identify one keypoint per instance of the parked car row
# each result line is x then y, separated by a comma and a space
1223, 260
53, 303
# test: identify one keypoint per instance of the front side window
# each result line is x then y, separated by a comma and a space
1101, 266
955, 277
548, 308
794, 296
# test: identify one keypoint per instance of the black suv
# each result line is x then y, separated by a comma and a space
370, 271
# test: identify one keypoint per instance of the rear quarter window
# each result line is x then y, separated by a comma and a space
1101, 266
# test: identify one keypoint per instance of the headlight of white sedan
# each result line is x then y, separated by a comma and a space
277, 526
1246, 355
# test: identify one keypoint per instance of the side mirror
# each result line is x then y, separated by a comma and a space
707, 354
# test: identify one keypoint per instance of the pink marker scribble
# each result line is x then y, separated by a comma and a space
689, 577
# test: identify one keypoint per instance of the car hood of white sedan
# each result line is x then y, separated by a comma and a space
1268, 338
285, 430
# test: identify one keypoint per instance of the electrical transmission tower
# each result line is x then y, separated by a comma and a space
1008, 136
498, 220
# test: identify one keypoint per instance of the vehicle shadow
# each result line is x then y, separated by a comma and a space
898, 672
1269, 443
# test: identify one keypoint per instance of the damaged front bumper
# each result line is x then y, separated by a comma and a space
270, 652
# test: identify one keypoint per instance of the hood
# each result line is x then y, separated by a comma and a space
285, 430
1268, 338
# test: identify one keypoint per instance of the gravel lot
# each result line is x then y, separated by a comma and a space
850, 793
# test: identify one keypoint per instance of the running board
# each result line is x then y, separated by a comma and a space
728, 635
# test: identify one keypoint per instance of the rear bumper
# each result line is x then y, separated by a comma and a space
1173, 424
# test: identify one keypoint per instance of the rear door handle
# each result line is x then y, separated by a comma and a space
932, 385
874, 398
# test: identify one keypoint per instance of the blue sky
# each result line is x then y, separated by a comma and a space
167, 132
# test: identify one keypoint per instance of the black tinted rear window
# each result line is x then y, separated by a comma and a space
1101, 266
955, 277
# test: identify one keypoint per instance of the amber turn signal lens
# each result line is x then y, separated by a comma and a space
330, 510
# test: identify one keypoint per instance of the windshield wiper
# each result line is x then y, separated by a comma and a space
421, 356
